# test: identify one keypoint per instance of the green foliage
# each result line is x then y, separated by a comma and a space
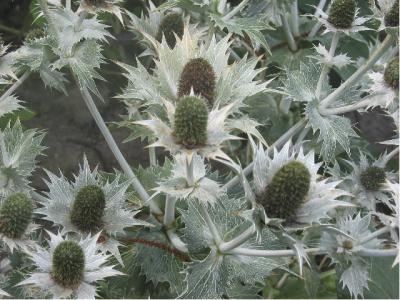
68, 264
342, 13
170, 25
391, 74
88, 208
198, 75
373, 178
287, 190
15, 215
190, 127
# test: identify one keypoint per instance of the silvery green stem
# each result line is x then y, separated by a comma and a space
153, 156
360, 72
213, 229
176, 241
237, 241
326, 67
38, 197
378, 252
271, 253
68, 4
169, 211
278, 285
189, 172
117, 153
295, 18
302, 135
374, 234
288, 34
345, 109
278, 143
391, 154
15, 86
318, 25
234, 11
45, 9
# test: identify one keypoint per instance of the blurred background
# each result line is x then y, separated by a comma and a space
71, 132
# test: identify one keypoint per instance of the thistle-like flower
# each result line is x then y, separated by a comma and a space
69, 268
159, 24
343, 17
289, 187
88, 205
385, 85
16, 222
387, 13
366, 182
188, 180
95, 6
18, 152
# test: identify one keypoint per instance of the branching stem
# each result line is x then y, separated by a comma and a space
213, 229
288, 34
237, 241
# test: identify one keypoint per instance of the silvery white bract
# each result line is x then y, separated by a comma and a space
343, 246
95, 269
322, 194
24, 243
301, 85
362, 196
18, 151
95, 6
324, 58
381, 93
9, 104
356, 26
381, 8
189, 181
3, 293
6, 68
57, 207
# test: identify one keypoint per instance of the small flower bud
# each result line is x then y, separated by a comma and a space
391, 74
373, 178
34, 34
15, 215
287, 190
88, 208
198, 75
68, 264
342, 13
170, 24
392, 17
347, 244
191, 116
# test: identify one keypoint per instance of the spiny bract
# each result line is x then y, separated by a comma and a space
198, 75
170, 24
287, 190
342, 13
88, 208
392, 17
191, 116
68, 264
391, 74
15, 215
373, 178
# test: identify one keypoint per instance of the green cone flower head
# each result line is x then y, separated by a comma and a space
170, 24
88, 208
15, 215
33, 34
191, 116
392, 17
342, 13
373, 178
287, 190
68, 264
391, 74
198, 75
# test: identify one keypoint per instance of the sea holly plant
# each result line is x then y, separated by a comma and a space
264, 180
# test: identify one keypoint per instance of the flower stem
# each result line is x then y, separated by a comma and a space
234, 11
169, 211
213, 229
295, 18
237, 241
288, 33
15, 86
68, 4
176, 241
392, 154
278, 143
318, 25
374, 234
360, 72
117, 153
378, 252
327, 67
344, 109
